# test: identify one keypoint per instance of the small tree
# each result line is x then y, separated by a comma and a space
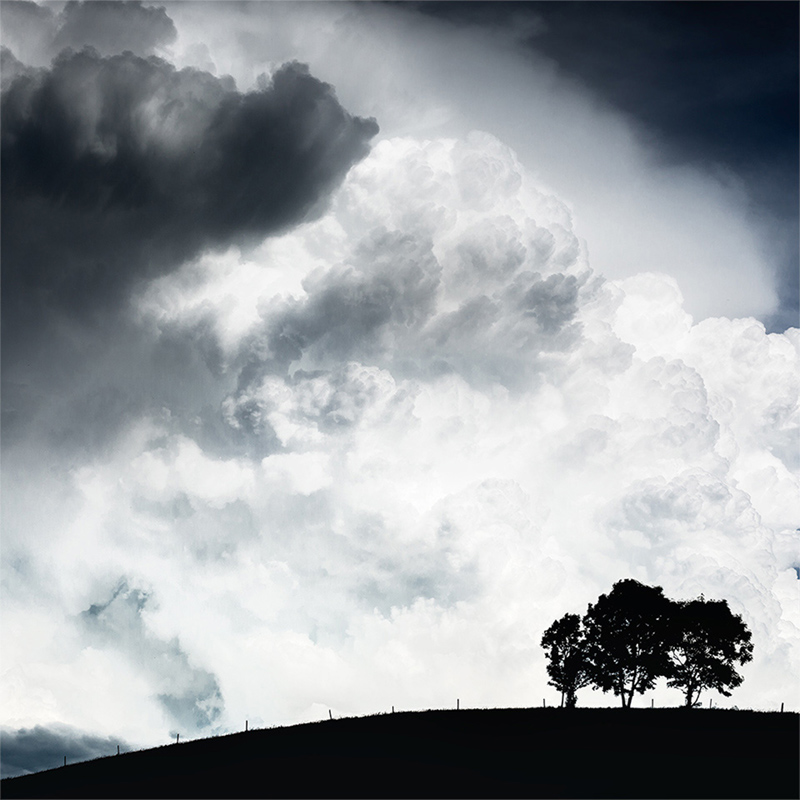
565, 648
627, 637
708, 640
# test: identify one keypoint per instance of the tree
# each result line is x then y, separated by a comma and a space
708, 640
565, 648
627, 638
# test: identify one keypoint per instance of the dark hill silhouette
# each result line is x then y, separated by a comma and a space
540, 752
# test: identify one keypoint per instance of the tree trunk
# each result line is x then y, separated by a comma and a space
692, 694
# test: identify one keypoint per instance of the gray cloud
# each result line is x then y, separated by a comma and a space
329, 401
36, 33
112, 27
382, 306
398, 583
11, 67
209, 533
29, 750
191, 695
29, 30
509, 336
391, 282
553, 302
75, 390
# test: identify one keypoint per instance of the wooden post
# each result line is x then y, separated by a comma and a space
709, 702
245, 725
393, 709
543, 705
330, 713
178, 740
781, 708
651, 702
458, 704
117, 749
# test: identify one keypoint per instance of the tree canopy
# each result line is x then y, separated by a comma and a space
708, 641
565, 644
627, 639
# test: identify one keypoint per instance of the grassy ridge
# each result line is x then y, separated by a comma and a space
541, 752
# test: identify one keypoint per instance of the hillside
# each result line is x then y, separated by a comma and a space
541, 752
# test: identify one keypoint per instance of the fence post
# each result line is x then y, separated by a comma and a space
392, 709
458, 704
245, 725
178, 739
543, 703
117, 749
781, 708
330, 713
651, 702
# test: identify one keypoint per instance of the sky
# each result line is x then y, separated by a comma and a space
345, 346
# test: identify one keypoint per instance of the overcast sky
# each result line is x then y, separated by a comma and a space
346, 346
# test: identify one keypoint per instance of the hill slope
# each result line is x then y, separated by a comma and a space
542, 752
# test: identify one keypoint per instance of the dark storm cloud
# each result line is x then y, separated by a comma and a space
714, 84
116, 169
191, 695
33, 749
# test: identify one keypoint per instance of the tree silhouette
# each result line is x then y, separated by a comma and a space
627, 638
565, 647
634, 635
707, 641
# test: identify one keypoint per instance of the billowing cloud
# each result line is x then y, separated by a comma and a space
358, 450
443, 431
464, 280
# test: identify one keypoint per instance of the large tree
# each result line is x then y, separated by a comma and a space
565, 647
708, 641
627, 639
